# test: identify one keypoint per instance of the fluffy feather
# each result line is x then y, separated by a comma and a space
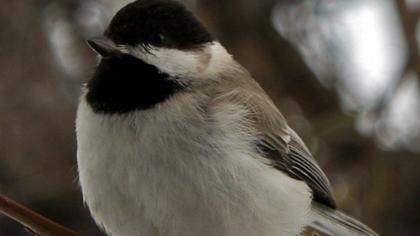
188, 154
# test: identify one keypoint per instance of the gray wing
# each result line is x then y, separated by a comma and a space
298, 163
287, 152
278, 143
328, 222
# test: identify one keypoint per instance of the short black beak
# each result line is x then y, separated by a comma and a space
104, 46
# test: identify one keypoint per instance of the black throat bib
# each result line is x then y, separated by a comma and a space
124, 84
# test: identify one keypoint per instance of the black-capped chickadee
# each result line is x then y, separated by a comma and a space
176, 138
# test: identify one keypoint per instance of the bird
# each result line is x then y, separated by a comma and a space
175, 137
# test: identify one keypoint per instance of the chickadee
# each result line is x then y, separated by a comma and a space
176, 138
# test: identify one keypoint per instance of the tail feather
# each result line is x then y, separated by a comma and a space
330, 222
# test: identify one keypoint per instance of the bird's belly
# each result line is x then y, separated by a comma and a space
137, 181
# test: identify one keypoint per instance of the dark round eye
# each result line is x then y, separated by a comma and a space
159, 38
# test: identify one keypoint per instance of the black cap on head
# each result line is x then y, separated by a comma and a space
162, 23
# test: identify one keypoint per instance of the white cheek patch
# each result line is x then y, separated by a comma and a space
210, 61
221, 62
183, 63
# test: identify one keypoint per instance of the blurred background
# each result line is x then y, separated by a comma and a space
344, 73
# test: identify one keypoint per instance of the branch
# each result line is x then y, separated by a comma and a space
33, 221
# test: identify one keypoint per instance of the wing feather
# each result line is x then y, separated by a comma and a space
277, 141
328, 222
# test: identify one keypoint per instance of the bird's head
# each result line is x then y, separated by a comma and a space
151, 50
162, 33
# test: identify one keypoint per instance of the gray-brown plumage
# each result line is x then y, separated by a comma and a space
176, 138
277, 141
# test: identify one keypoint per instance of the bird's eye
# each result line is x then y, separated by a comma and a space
159, 39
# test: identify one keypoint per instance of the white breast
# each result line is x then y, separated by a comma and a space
165, 172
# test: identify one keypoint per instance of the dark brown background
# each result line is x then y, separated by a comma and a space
44, 60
